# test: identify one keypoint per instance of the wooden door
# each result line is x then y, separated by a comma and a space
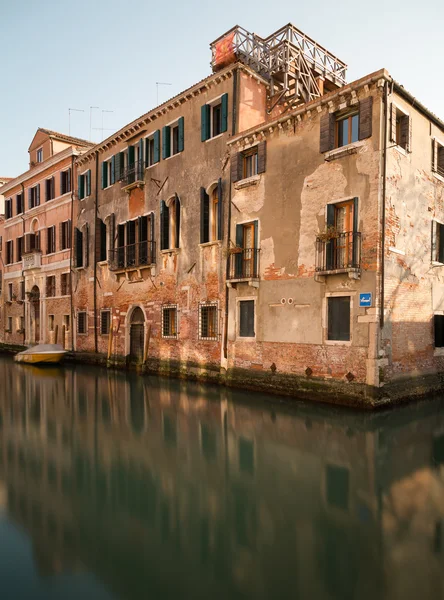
248, 250
344, 226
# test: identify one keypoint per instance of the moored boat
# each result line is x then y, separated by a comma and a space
42, 353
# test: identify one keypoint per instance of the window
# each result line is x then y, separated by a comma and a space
437, 242
10, 292
66, 322
19, 249
65, 182
169, 321
50, 286
173, 138
19, 203
211, 214
39, 155
401, 128
65, 235
32, 242
208, 321
34, 196
347, 129
342, 251
437, 157
50, 240
8, 208
152, 149
65, 284
49, 189
246, 318
214, 118
9, 325
244, 263
338, 318
100, 241
438, 327
249, 162
51, 322
105, 322
170, 224
135, 243
22, 290
22, 324
107, 173
82, 322
81, 247
9, 252
84, 184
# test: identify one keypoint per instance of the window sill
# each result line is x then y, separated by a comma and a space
337, 342
438, 352
241, 338
173, 155
212, 243
249, 181
214, 137
102, 263
438, 176
170, 337
401, 150
170, 251
436, 263
151, 166
343, 151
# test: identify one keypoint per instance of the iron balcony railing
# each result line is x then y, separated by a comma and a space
137, 255
133, 173
244, 264
343, 251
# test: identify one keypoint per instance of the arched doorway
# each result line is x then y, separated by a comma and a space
137, 335
35, 313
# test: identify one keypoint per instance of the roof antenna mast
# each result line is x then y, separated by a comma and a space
70, 110
157, 89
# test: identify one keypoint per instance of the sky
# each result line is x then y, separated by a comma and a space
60, 54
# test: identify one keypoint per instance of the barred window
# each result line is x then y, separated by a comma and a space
82, 322
65, 287
50, 286
169, 321
208, 322
105, 322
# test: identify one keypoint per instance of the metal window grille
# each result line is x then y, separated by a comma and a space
105, 322
50, 286
82, 321
169, 321
208, 321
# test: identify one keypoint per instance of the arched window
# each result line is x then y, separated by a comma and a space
170, 223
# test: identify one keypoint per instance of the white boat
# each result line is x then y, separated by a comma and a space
42, 353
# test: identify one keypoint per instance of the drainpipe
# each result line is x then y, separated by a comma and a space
96, 208
384, 188
71, 246
233, 132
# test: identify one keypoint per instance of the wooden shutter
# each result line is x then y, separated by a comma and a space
52, 187
68, 179
205, 116
131, 156
37, 194
220, 211
329, 248
164, 226
393, 123
112, 230
406, 133
238, 257
224, 107
256, 248
117, 166
434, 156
104, 175
237, 163
204, 216
151, 232
61, 244
177, 207
440, 231
166, 142
62, 191
113, 169
97, 241
88, 182
141, 153
157, 146
29, 198
80, 186
434, 240
261, 156
86, 245
181, 141
327, 136
365, 117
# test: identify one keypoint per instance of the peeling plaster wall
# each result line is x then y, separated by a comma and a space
414, 285
289, 201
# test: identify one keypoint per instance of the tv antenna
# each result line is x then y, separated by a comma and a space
157, 89
91, 108
104, 128
70, 110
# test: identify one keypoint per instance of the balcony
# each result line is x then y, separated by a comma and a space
133, 256
243, 265
32, 260
133, 175
339, 254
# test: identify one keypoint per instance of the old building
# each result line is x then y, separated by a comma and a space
36, 243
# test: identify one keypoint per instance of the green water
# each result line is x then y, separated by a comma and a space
116, 486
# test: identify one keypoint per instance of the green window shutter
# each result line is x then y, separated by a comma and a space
81, 186
145, 162
177, 206
141, 152
224, 113
104, 175
130, 156
238, 257
113, 170
164, 226
88, 182
220, 211
157, 146
181, 143
205, 122
117, 167
204, 216
166, 142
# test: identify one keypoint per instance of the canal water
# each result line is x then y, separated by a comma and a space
115, 486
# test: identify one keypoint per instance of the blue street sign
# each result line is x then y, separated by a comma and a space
365, 299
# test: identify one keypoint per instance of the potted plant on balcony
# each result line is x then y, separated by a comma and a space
330, 233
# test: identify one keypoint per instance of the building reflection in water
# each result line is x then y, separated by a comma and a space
171, 489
